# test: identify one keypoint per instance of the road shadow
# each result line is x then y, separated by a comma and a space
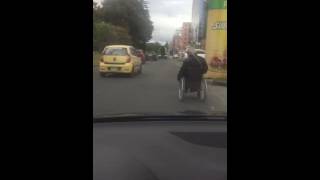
122, 76
191, 98
118, 76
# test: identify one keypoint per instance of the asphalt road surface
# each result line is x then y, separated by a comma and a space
155, 91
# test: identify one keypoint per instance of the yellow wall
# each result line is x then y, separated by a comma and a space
216, 38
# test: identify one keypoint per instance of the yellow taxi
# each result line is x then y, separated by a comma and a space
122, 59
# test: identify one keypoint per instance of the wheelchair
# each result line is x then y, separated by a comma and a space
200, 91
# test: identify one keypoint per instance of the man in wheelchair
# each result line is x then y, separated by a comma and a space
192, 70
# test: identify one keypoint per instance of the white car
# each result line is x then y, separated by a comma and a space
200, 53
185, 55
175, 56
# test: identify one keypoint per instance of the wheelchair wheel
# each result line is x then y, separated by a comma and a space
202, 93
181, 90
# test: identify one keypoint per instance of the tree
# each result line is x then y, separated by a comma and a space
107, 34
162, 50
153, 47
132, 15
166, 45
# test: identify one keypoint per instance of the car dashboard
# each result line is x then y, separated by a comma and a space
167, 150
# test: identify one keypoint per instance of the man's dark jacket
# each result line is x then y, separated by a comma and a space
192, 70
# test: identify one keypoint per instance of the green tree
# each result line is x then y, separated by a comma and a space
132, 15
153, 47
162, 50
107, 34
166, 45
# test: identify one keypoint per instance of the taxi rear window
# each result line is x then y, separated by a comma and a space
116, 51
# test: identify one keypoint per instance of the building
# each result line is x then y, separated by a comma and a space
182, 38
199, 19
177, 43
186, 34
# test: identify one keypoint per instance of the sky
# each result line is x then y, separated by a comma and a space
167, 16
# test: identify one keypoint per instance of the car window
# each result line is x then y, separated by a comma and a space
116, 51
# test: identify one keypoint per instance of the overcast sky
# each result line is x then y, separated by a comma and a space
167, 16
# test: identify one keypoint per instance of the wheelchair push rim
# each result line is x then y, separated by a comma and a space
181, 90
202, 94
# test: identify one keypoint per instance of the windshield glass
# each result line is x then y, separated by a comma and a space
116, 51
149, 71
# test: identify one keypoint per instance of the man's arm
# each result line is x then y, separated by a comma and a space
181, 71
204, 65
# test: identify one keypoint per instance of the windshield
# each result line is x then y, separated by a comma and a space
140, 61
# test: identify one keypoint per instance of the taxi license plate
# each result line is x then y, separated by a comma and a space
114, 69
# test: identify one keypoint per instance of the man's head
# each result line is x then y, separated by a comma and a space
190, 51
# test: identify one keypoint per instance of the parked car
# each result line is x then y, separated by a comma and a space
184, 55
141, 55
151, 56
200, 53
148, 57
154, 57
165, 56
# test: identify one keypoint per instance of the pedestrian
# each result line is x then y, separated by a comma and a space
192, 70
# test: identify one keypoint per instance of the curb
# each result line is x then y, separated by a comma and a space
219, 82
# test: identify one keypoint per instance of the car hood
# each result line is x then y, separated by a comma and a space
178, 116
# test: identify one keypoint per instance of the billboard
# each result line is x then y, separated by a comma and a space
216, 39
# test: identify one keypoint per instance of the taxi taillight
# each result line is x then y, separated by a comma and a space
129, 59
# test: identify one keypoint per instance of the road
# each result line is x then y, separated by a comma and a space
154, 91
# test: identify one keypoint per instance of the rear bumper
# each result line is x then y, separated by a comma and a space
116, 68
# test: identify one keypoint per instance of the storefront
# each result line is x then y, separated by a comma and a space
216, 39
